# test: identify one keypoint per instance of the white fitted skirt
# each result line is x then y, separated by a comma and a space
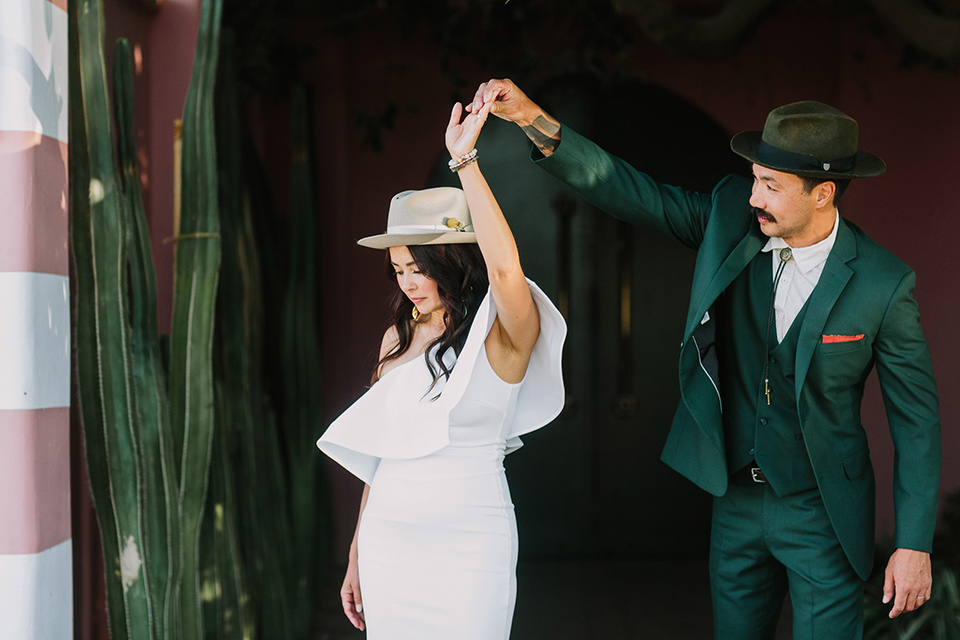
438, 548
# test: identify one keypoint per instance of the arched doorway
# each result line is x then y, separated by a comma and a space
592, 484
612, 541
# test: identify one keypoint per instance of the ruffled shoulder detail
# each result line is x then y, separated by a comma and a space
541, 396
395, 419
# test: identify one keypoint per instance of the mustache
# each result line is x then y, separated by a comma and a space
761, 213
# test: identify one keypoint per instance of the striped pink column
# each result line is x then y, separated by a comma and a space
36, 593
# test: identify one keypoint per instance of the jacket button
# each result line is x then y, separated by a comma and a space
764, 421
752, 451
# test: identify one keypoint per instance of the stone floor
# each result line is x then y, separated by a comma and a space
595, 600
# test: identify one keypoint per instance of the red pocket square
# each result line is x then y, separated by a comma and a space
832, 339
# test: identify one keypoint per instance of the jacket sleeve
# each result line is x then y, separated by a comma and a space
614, 186
909, 394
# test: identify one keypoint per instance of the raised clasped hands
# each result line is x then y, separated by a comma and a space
907, 580
506, 101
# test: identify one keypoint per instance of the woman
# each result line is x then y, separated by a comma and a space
470, 362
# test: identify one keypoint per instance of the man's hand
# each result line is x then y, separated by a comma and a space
509, 103
907, 580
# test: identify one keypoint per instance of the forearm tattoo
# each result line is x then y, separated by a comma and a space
544, 134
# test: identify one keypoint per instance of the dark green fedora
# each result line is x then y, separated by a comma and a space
809, 139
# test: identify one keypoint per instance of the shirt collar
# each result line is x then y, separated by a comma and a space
808, 258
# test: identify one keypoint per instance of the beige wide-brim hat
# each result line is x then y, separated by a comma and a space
429, 216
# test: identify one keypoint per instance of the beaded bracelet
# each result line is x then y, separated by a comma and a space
460, 163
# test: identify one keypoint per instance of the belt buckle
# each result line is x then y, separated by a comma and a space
757, 475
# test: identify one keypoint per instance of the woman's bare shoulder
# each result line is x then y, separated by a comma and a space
391, 338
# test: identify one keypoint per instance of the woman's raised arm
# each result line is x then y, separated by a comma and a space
518, 323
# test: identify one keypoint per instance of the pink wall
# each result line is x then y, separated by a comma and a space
906, 117
172, 38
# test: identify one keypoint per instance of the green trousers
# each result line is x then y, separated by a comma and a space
762, 545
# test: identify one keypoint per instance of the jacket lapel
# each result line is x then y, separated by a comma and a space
731, 267
834, 278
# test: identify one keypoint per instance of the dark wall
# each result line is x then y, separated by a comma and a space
905, 117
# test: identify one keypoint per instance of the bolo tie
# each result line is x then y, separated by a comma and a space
786, 254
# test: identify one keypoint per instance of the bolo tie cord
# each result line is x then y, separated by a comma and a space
786, 254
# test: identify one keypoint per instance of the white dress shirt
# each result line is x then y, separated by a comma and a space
800, 276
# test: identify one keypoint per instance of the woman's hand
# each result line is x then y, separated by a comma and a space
350, 595
461, 137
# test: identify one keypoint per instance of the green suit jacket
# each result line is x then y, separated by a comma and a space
864, 290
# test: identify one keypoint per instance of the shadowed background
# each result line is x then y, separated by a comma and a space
662, 84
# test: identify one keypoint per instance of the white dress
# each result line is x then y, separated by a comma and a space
438, 539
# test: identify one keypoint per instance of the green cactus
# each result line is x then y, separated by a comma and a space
148, 487
227, 608
197, 266
161, 522
248, 443
100, 234
302, 375
210, 511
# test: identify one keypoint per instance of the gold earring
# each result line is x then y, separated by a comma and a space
415, 313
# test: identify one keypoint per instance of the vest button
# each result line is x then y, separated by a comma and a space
764, 421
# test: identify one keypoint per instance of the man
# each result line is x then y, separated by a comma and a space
791, 307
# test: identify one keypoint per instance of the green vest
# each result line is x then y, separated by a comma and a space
770, 434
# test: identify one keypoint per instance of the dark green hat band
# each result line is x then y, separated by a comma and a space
800, 163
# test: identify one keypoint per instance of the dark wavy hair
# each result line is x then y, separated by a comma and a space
461, 277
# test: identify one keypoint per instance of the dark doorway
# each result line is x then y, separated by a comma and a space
591, 484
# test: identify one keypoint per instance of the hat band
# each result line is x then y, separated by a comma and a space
413, 229
799, 162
